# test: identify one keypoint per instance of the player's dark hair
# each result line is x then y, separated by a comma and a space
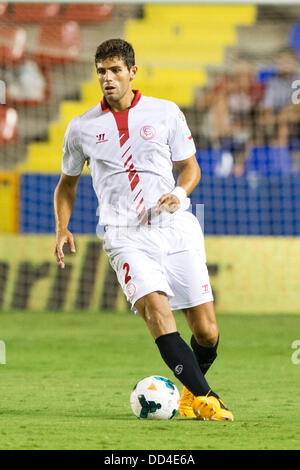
116, 48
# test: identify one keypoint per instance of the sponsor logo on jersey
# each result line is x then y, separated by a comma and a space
147, 132
205, 289
101, 138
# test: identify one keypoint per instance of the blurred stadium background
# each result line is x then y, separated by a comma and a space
230, 68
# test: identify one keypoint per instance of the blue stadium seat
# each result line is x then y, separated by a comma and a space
208, 159
36, 211
244, 205
294, 38
265, 73
294, 143
269, 161
269, 205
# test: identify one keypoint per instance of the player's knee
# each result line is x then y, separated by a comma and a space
160, 319
157, 316
208, 336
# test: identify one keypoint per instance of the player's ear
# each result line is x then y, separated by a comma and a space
133, 72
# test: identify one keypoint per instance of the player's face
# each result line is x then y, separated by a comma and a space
115, 79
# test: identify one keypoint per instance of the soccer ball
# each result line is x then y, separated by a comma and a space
154, 397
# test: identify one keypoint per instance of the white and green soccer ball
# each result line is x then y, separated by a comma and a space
154, 397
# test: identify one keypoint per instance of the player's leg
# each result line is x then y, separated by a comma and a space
204, 341
188, 277
144, 283
155, 310
205, 338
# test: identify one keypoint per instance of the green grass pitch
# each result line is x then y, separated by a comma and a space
68, 378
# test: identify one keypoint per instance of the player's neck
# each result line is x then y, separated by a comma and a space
124, 103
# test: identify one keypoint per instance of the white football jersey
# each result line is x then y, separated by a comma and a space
129, 154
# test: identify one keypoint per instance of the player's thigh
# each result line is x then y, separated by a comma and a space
188, 277
203, 323
138, 274
155, 310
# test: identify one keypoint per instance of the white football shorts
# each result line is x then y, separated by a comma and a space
168, 259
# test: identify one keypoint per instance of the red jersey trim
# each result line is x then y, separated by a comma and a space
105, 106
121, 118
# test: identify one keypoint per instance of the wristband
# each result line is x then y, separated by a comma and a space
180, 193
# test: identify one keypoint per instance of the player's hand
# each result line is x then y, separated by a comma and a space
62, 237
168, 202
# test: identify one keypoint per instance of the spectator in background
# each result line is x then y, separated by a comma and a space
26, 82
230, 108
279, 118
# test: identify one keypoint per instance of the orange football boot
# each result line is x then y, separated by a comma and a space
211, 408
186, 402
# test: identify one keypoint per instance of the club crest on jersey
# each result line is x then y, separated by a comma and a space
147, 132
131, 289
101, 138
181, 116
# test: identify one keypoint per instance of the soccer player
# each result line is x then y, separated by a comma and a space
130, 143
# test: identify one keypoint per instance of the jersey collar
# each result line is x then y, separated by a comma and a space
105, 106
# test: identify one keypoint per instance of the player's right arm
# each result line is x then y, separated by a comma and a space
64, 198
65, 192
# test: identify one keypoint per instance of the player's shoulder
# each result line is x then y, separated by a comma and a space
76, 123
165, 105
91, 113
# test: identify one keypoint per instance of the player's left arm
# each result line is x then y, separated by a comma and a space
189, 175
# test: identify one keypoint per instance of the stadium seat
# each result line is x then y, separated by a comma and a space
294, 38
166, 55
88, 13
265, 73
12, 44
58, 43
140, 31
8, 125
34, 12
9, 202
208, 160
172, 43
235, 14
269, 161
294, 143
183, 38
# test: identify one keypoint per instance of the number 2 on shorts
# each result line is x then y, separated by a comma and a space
126, 267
